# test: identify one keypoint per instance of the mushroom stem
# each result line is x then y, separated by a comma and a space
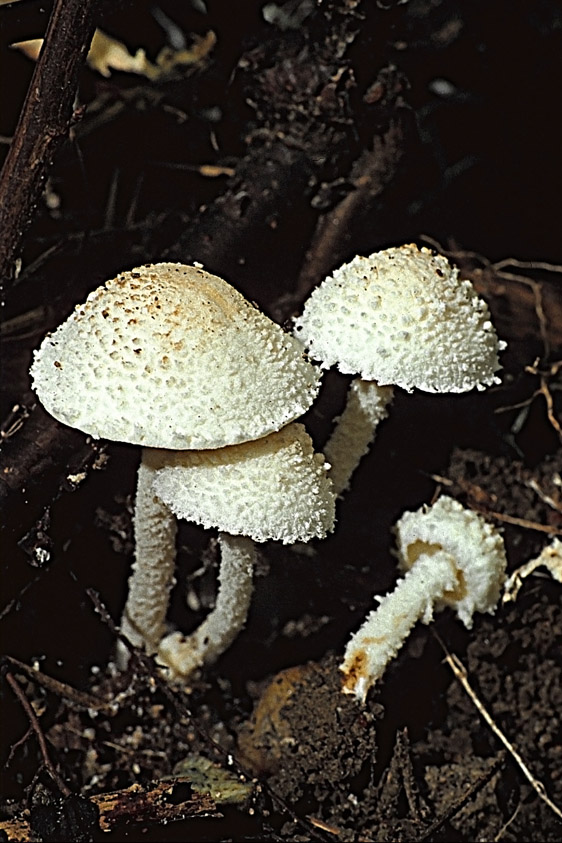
184, 654
355, 429
386, 628
152, 577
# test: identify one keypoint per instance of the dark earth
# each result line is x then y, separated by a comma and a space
297, 135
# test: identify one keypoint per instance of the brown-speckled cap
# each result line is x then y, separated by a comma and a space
170, 356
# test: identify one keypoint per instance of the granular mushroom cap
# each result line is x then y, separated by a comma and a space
170, 356
403, 317
475, 546
273, 488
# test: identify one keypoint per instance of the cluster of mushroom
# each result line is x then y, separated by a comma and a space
176, 360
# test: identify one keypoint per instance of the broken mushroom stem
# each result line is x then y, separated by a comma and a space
452, 557
387, 627
182, 654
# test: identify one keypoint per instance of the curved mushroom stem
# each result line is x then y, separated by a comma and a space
355, 429
152, 577
184, 654
387, 627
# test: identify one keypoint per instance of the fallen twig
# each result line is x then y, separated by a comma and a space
476, 504
549, 558
522, 522
543, 389
158, 802
461, 675
60, 688
14, 685
458, 804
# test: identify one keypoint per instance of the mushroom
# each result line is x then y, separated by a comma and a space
272, 488
451, 557
168, 356
400, 317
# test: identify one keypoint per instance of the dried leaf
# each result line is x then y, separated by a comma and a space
107, 54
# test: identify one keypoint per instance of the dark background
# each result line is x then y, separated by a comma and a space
480, 171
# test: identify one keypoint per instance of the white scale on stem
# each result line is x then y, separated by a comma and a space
183, 654
452, 557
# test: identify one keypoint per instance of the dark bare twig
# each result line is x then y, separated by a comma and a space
15, 746
44, 123
13, 683
79, 698
459, 804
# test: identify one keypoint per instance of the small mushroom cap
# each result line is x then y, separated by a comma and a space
272, 488
474, 545
402, 317
169, 356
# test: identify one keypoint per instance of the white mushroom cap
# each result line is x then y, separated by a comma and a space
475, 547
402, 317
169, 356
273, 488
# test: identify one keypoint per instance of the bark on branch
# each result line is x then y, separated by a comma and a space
44, 123
158, 802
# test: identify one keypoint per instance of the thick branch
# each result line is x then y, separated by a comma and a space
44, 123
370, 174
159, 802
